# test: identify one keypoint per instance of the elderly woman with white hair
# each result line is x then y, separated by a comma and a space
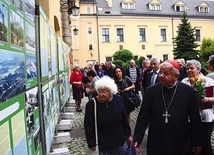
112, 125
206, 112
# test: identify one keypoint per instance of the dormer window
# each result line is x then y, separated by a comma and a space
180, 6
154, 5
128, 4
125, 6
204, 8
131, 6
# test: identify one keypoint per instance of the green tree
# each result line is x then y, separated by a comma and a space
123, 55
206, 49
118, 62
122, 58
141, 61
185, 41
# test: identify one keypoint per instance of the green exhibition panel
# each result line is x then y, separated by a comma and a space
32, 88
13, 126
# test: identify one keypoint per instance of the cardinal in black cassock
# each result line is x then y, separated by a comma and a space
171, 110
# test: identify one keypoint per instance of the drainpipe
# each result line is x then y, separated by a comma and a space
98, 39
173, 32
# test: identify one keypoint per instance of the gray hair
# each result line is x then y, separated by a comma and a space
155, 59
194, 62
106, 82
211, 60
146, 60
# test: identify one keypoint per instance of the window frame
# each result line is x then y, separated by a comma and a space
142, 34
165, 57
90, 47
198, 34
108, 59
89, 30
106, 35
88, 10
163, 36
120, 34
180, 8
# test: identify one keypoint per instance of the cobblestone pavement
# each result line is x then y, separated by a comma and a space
77, 145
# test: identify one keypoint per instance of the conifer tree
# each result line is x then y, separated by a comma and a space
185, 42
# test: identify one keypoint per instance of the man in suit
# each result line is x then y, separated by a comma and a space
150, 77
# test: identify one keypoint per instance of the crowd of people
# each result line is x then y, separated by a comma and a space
175, 118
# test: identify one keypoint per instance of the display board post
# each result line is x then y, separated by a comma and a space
39, 81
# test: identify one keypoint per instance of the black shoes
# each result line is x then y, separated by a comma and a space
79, 110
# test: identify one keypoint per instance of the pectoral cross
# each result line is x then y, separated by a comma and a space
166, 115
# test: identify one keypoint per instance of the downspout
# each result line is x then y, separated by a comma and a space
98, 39
173, 33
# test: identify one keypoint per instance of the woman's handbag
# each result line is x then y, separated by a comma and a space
135, 99
87, 149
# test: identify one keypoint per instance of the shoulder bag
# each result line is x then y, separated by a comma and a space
134, 98
87, 149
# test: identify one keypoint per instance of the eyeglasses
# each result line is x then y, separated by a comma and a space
105, 92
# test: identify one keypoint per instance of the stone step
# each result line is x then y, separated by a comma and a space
62, 137
60, 151
70, 104
70, 109
71, 100
67, 115
65, 125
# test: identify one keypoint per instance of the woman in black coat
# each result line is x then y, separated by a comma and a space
113, 129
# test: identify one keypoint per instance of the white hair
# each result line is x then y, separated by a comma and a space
132, 60
106, 82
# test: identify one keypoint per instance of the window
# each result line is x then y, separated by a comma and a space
108, 59
204, 9
120, 37
163, 35
129, 5
89, 31
182, 8
142, 32
125, 6
90, 47
105, 34
136, 57
149, 56
154, 6
88, 10
158, 7
198, 34
165, 57
179, 8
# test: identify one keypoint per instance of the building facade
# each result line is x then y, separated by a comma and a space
145, 27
